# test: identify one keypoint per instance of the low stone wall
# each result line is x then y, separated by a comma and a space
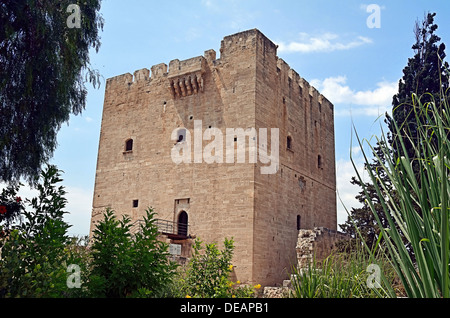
317, 243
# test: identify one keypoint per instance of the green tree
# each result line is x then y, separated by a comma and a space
11, 208
44, 65
362, 219
424, 75
125, 264
34, 255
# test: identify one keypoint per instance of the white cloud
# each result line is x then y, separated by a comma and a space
326, 42
373, 102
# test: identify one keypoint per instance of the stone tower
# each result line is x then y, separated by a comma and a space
161, 143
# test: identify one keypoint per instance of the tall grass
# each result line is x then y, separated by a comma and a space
342, 275
422, 213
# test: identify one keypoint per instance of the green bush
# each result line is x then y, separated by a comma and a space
39, 259
208, 273
125, 264
35, 255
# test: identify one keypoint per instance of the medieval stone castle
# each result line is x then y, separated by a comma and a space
161, 143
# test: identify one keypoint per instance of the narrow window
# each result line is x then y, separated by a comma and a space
129, 145
289, 143
135, 203
319, 162
298, 222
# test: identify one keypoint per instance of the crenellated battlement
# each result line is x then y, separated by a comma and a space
186, 77
294, 78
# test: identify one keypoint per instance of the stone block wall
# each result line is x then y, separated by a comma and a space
316, 243
248, 87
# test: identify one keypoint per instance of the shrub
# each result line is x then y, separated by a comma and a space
128, 265
34, 255
208, 273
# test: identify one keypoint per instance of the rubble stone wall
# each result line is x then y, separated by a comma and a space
317, 243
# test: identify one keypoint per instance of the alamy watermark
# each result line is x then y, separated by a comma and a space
74, 19
374, 19
374, 279
234, 138
74, 277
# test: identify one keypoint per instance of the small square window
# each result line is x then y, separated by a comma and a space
135, 203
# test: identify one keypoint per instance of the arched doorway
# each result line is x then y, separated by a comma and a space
183, 224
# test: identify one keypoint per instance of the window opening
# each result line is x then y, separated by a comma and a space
183, 223
129, 145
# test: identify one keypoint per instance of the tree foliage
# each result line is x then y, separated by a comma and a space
424, 75
44, 66
362, 219
34, 254
39, 259
126, 264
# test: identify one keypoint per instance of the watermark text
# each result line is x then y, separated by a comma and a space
236, 149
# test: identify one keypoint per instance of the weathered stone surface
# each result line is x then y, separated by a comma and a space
317, 244
247, 87
276, 292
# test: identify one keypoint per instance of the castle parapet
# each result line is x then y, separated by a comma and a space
142, 75
186, 77
119, 81
159, 70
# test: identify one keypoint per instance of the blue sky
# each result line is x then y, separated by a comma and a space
327, 42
